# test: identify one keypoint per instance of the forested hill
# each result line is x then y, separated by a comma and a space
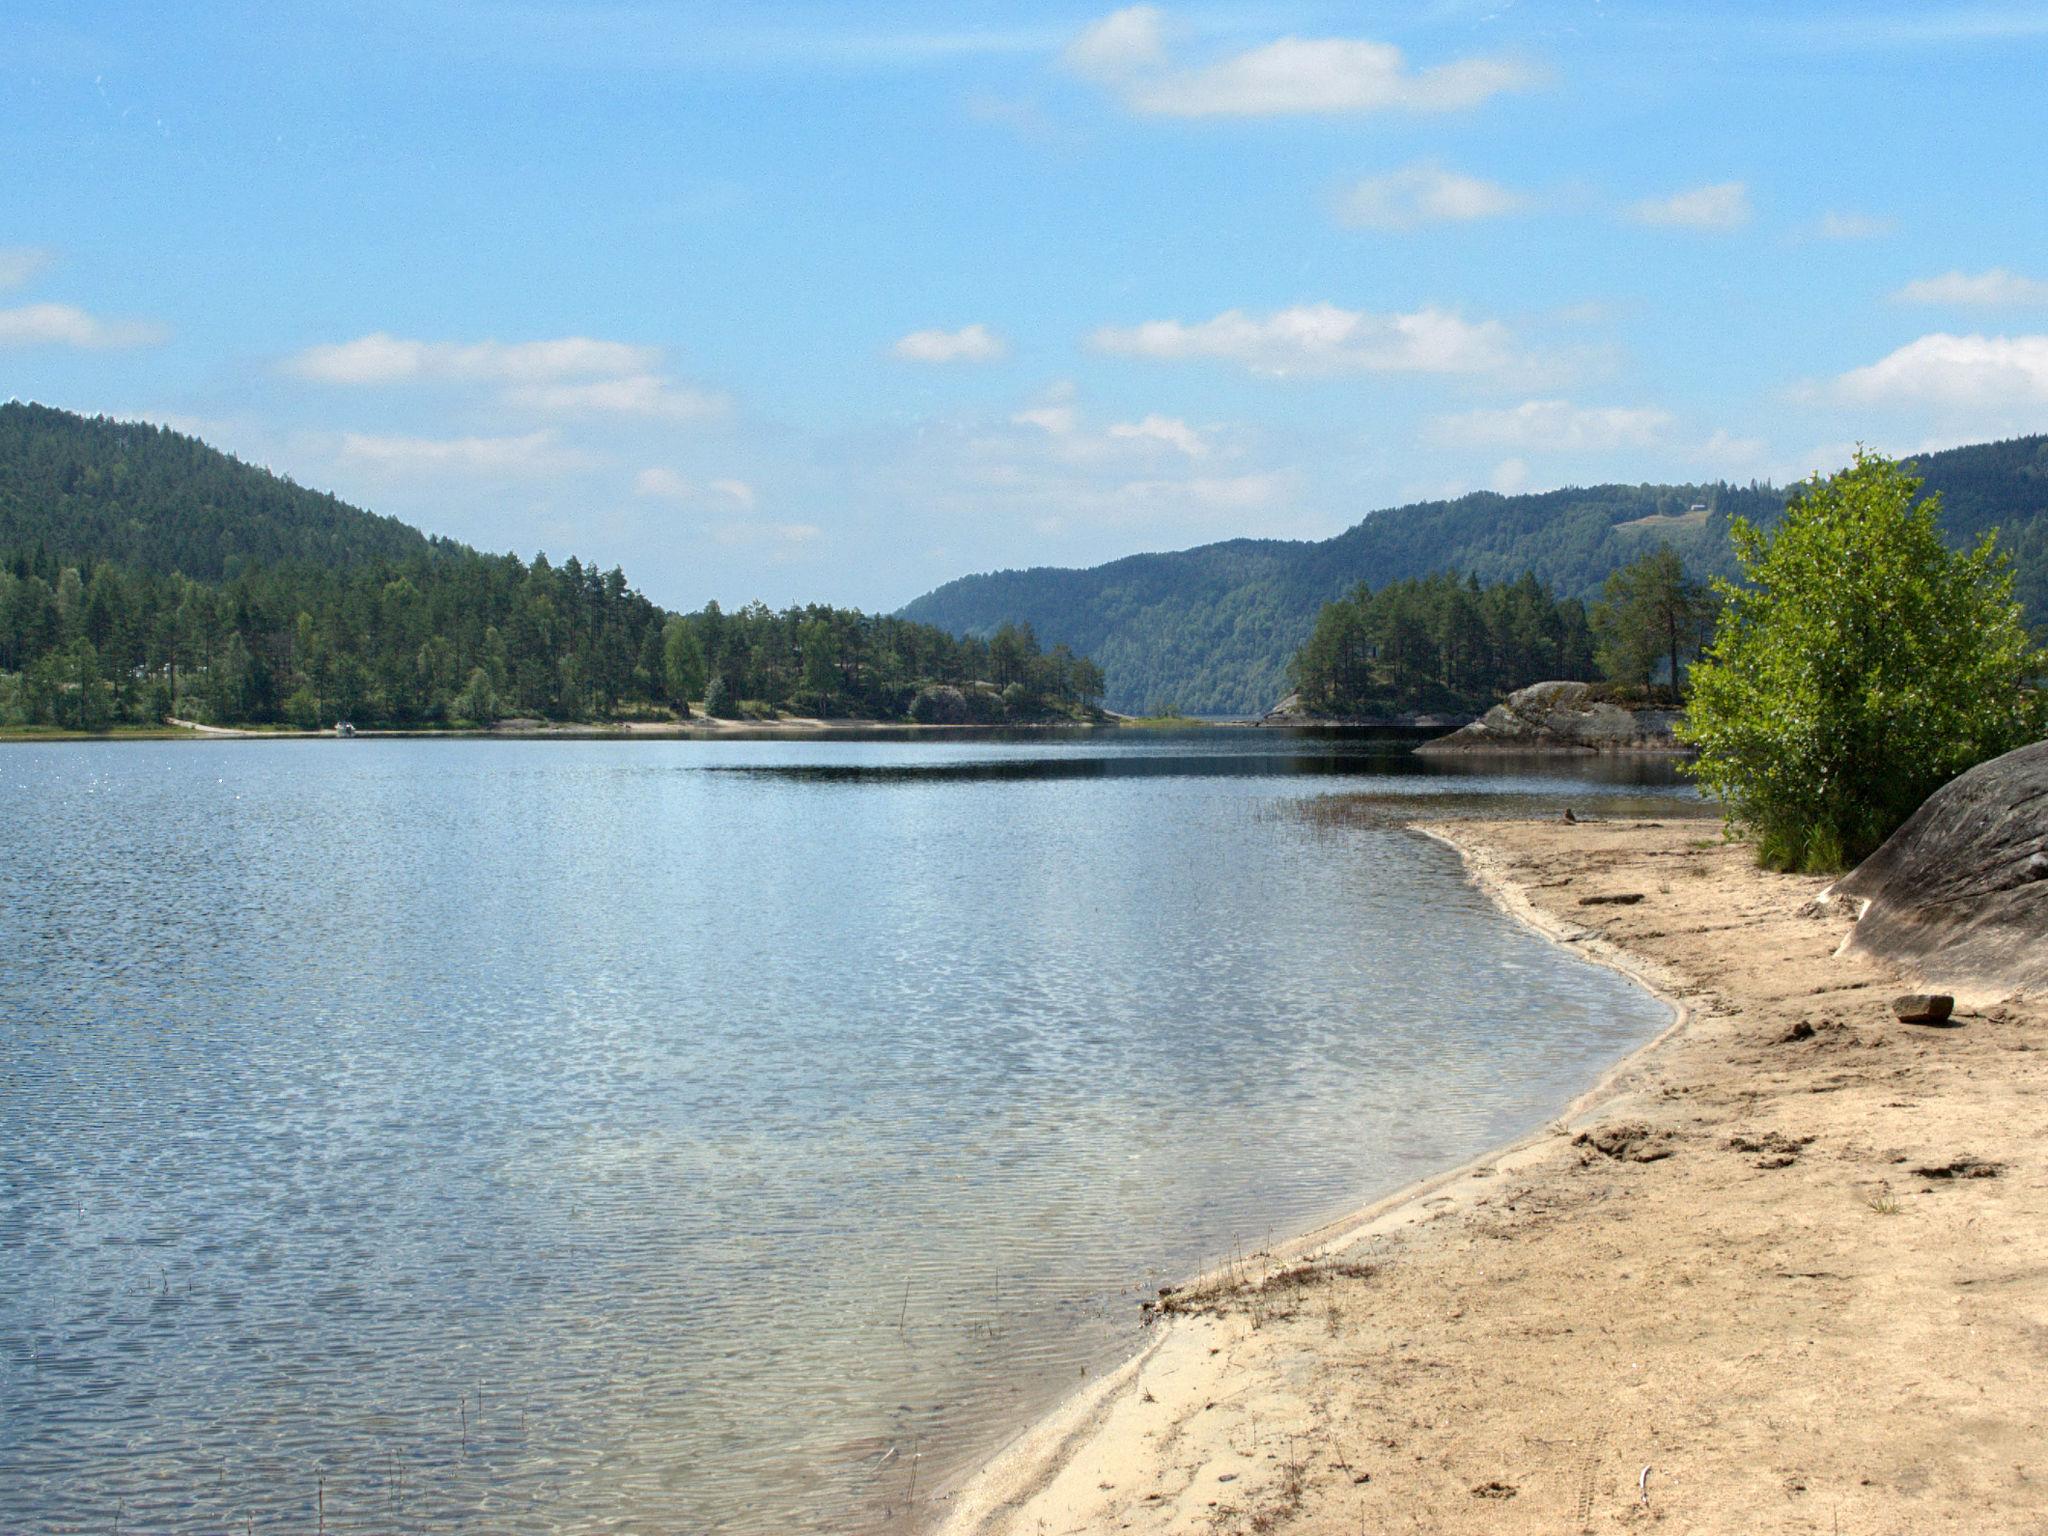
88, 488
1210, 630
144, 575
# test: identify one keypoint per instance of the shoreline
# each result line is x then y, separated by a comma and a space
700, 729
1241, 1413
1040, 1451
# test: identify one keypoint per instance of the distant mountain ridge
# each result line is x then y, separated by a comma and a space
1210, 630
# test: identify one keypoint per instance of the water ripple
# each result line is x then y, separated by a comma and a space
561, 1137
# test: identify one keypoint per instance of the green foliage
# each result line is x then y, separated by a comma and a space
1652, 613
1862, 666
719, 703
89, 489
150, 575
1210, 630
1439, 643
682, 663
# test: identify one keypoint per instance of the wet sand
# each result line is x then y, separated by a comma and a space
1784, 1270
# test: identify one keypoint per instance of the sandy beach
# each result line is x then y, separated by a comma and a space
1783, 1270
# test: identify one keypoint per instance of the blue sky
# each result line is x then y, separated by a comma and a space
838, 302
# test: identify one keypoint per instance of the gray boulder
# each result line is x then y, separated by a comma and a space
1959, 894
1563, 717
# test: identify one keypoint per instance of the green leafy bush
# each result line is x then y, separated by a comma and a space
1862, 665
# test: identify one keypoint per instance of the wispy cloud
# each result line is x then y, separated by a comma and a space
1920, 27
1060, 420
1321, 339
22, 264
1840, 224
66, 325
1722, 206
1996, 289
560, 377
1126, 52
969, 344
1425, 193
380, 358
1168, 430
528, 454
1947, 370
663, 484
1120, 44
638, 394
1553, 426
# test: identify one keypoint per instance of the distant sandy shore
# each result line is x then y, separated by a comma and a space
1784, 1270
700, 727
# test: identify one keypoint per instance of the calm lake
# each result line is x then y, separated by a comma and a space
664, 1137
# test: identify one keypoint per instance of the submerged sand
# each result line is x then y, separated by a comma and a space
1785, 1270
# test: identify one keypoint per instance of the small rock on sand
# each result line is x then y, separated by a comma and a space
1924, 1007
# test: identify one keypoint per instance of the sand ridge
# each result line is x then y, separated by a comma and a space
1791, 1259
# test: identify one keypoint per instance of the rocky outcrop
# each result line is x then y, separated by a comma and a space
1563, 717
1291, 711
1959, 894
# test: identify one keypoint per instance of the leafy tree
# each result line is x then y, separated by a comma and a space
1651, 611
477, 703
1439, 643
718, 700
682, 663
1863, 665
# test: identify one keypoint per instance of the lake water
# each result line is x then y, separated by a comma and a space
663, 1137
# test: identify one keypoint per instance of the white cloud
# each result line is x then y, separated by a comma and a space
529, 454
1553, 426
1060, 420
66, 325
1731, 455
1321, 338
1290, 76
638, 394
1724, 205
1055, 420
1170, 430
1996, 289
380, 358
563, 376
664, 484
969, 344
1510, 477
1837, 224
737, 491
22, 264
1425, 193
1955, 371
1119, 44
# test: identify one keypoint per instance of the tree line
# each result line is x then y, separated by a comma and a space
1454, 644
453, 637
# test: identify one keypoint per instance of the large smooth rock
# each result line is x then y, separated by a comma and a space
1956, 895
1563, 717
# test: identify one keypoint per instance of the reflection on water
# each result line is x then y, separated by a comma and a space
569, 1136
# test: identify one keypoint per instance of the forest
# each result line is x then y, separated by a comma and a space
475, 639
144, 575
1211, 630
1440, 644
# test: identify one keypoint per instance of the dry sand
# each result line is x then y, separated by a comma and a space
1792, 1259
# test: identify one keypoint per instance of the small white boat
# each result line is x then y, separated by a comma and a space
343, 728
